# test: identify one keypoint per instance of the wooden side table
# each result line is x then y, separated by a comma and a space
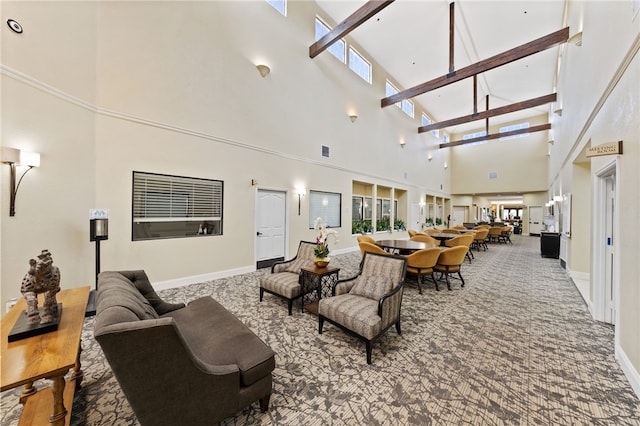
321, 280
47, 356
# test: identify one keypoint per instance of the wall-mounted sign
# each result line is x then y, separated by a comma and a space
611, 148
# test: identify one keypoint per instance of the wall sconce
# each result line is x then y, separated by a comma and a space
430, 157
446, 166
422, 204
15, 157
402, 143
264, 70
300, 192
576, 39
353, 117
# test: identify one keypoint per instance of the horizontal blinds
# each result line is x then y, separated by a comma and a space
170, 198
325, 205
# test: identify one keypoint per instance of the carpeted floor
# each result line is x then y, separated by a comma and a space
515, 346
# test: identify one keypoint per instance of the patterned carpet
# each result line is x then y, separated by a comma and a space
515, 346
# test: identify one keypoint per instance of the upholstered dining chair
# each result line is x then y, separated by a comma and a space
494, 234
450, 261
411, 232
284, 280
421, 262
480, 239
365, 238
371, 248
450, 231
505, 235
367, 304
425, 239
462, 240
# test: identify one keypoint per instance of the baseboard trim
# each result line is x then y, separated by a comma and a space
632, 374
194, 279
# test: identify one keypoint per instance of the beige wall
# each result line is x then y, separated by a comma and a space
521, 164
171, 87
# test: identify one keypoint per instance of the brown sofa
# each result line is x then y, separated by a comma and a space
177, 364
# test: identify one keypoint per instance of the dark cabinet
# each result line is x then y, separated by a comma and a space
550, 244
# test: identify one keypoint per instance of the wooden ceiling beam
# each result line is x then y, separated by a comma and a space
533, 129
518, 106
522, 51
356, 19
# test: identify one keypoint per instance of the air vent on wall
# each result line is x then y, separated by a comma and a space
493, 175
325, 151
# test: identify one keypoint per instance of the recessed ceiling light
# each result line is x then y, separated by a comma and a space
15, 26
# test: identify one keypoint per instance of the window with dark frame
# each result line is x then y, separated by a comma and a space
166, 206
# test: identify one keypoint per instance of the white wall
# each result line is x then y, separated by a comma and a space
599, 88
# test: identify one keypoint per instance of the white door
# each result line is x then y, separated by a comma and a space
270, 227
415, 223
609, 299
536, 224
459, 215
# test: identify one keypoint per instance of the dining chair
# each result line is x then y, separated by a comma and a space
424, 238
480, 239
421, 262
365, 238
494, 234
450, 261
366, 247
450, 231
462, 240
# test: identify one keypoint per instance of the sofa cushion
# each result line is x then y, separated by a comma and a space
371, 287
121, 293
217, 337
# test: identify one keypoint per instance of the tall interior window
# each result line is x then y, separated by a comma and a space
514, 127
338, 48
279, 5
359, 65
165, 206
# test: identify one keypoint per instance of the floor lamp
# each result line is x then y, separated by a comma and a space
98, 231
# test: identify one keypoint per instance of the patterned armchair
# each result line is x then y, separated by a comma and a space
284, 280
366, 305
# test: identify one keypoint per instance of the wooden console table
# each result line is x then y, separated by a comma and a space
47, 356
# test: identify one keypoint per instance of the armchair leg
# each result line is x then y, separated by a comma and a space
290, 305
419, 283
264, 403
320, 324
461, 279
433, 277
261, 293
398, 327
368, 352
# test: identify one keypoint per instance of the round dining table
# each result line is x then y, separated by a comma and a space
403, 246
442, 237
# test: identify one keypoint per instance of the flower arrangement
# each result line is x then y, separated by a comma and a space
321, 250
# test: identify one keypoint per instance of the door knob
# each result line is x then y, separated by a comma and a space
258, 233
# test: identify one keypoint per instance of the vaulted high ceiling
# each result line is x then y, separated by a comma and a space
410, 39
